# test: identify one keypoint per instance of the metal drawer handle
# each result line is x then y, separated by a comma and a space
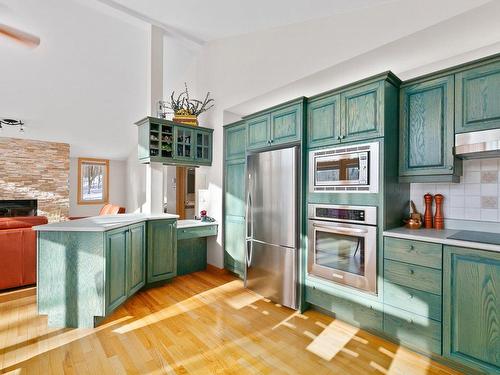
411, 296
412, 272
412, 248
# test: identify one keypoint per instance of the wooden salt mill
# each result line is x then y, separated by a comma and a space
438, 217
428, 211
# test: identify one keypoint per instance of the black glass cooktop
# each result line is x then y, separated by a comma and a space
472, 236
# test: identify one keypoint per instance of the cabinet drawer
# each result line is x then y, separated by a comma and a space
363, 313
194, 232
413, 276
416, 252
413, 300
413, 330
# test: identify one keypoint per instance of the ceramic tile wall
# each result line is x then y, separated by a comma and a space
476, 197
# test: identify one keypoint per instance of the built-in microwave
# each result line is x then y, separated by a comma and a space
351, 168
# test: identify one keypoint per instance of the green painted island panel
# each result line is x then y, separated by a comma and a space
137, 258
70, 270
116, 268
471, 308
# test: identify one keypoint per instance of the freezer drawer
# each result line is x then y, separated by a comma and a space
272, 272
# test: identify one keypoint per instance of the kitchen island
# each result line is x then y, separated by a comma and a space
87, 268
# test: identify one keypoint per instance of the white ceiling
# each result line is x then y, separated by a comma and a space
209, 20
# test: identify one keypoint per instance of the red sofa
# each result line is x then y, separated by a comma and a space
18, 250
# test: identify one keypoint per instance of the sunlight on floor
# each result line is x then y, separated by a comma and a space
403, 361
333, 339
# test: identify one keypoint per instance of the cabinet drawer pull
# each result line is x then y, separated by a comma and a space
412, 248
411, 296
412, 272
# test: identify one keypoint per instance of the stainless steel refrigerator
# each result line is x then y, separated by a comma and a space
272, 240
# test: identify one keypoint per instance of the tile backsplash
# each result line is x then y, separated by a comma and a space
476, 197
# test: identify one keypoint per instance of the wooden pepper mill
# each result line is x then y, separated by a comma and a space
438, 217
428, 211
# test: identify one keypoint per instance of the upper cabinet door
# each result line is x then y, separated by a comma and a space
478, 98
426, 128
324, 121
286, 124
258, 131
362, 112
203, 147
235, 139
471, 315
184, 144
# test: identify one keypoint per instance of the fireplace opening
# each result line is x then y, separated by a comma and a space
18, 207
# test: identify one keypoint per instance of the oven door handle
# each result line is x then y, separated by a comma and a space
345, 230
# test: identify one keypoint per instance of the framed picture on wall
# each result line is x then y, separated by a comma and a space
93, 181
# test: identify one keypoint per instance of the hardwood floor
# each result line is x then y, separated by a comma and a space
203, 323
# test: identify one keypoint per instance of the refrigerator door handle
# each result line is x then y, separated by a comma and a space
249, 236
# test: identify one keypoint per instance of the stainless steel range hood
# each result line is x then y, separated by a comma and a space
480, 144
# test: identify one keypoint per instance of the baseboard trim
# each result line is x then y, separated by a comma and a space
11, 295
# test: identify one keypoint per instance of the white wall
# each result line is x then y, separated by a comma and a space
258, 70
117, 188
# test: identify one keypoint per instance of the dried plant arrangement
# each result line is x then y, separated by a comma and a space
183, 105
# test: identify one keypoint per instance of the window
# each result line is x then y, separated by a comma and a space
93, 181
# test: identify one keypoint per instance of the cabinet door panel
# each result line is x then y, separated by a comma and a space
235, 189
286, 124
203, 153
137, 262
362, 112
235, 140
234, 244
324, 121
184, 144
162, 250
477, 105
258, 132
471, 310
427, 136
116, 268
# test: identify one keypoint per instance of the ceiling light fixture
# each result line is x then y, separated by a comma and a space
12, 122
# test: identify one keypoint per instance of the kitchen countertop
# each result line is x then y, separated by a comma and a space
101, 223
191, 223
438, 236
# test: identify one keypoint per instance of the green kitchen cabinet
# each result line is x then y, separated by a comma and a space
471, 308
477, 98
362, 109
136, 258
116, 268
192, 247
235, 188
162, 250
427, 132
258, 132
234, 244
171, 143
323, 125
235, 141
280, 125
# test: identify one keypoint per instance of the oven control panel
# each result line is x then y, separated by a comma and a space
349, 214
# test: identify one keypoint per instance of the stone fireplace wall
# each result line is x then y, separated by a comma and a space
39, 170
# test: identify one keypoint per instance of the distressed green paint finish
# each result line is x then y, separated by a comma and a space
184, 144
235, 188
413, 300
162, 250
203, 153
286, 124
71, 270
427, 129
191, 255
471, 314
116, 268
477, 98
416, 252
258, 132
235, 141
234, 244
196, 232
137, 258
362, 313
413, 276
323, 121
362, 112
413, 330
